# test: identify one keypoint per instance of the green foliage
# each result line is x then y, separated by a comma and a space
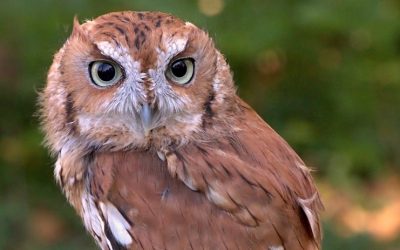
324, 73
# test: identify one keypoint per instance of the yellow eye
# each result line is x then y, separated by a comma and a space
181, 71
105, 73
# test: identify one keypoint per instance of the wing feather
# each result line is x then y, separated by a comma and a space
254, 175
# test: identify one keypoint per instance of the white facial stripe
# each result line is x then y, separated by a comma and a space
219, 95
174, 46
131, 93
118, 53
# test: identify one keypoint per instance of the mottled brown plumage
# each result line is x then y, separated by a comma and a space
159, 161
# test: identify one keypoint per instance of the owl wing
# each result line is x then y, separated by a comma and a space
255, 176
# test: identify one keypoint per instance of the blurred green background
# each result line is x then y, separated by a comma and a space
324, 73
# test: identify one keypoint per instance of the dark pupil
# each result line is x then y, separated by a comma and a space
178, 68
106, 72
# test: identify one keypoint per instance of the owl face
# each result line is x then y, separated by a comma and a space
130, 77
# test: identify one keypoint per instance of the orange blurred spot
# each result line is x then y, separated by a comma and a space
210, 7
382, 223
45, 226
271, 62
385, 223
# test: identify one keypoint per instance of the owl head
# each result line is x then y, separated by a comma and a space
134, 79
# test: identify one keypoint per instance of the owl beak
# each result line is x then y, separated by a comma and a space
146, 116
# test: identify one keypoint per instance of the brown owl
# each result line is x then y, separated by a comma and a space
156, 151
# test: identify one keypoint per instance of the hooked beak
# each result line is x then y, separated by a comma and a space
146, 116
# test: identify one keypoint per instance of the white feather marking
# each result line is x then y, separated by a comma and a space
93, 221
189, 183
118, 225
303, 167
57, 170
190, 24
161, 156
216, 197
276, 248
71, 181
304, 204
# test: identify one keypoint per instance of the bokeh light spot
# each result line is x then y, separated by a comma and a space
210, 7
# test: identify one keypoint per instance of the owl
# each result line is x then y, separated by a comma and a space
155, 150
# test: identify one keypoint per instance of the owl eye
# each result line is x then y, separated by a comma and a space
105, 73
181, 71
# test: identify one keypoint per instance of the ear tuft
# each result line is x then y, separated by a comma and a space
77, 31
